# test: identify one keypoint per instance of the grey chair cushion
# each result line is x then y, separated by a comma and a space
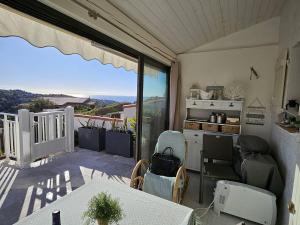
251, 143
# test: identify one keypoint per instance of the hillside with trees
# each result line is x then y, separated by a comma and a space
12, 100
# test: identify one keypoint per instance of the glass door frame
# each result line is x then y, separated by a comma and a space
140, 88
43, 12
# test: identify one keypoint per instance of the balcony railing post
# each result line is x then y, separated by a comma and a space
24, 149
69, 128
6, 137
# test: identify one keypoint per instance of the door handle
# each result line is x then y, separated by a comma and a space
212, 104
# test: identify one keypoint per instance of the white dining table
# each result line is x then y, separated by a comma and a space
139, 207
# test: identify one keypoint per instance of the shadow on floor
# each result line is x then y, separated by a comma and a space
23, 191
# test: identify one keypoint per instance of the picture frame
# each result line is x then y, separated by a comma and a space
218, 92
194, 93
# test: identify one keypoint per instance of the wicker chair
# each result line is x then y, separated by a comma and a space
177, 141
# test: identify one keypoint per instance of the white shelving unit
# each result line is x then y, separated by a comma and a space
198, 111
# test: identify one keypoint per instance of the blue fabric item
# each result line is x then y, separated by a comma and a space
173, 139
160, 186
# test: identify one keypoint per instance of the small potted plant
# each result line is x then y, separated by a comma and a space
103, 209
119, 140
91, 136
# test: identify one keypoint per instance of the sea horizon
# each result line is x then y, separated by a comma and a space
117, 98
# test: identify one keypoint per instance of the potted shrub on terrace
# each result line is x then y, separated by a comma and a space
119, 140
92, 137
103, 209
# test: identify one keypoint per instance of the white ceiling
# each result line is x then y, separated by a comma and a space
185, 24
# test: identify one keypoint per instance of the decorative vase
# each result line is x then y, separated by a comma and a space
102, 222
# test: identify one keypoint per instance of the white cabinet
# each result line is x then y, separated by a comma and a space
211, 105
197, 112
193, 104
193, 135
194, 140
214, 105
232, 105
193, 155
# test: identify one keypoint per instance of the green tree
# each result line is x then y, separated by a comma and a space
38, 105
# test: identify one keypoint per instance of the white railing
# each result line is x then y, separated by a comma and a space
29, 136
48, 126
52, 132
10, 134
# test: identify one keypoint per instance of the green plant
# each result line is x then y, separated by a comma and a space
103, 207
132, 125
113, 125
88, 124
38, 105
124, 127
121, 129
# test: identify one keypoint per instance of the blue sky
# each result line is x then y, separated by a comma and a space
47, 70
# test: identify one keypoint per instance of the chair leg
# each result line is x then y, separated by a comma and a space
201, 179
137, 180
177, 190
186, 183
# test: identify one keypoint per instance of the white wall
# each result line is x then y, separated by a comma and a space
289, 160
211, 66
129, 112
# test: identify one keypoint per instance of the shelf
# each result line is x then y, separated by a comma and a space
215, 100
220, 124
204, 131
219, 105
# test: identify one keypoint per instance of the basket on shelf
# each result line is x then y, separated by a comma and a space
210, 127
230, 129
192, 125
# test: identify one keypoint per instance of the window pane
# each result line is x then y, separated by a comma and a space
155, 108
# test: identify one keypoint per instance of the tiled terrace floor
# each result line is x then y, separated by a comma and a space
25, 191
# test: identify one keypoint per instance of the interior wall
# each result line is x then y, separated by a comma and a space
223, 62
289, 161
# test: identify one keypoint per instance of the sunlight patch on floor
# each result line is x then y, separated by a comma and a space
26, 202
7, 179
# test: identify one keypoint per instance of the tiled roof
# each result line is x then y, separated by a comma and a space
65, 100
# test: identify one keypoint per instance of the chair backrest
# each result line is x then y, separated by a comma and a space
219, 147
173, 139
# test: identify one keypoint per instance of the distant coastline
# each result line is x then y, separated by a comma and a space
129, 99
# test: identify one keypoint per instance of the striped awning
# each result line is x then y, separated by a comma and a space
42, 34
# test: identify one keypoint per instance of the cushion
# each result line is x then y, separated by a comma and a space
251, 143
173, 139
157, 185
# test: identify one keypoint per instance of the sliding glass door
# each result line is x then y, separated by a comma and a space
154, 107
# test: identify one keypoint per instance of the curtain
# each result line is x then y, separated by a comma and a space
175, 90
